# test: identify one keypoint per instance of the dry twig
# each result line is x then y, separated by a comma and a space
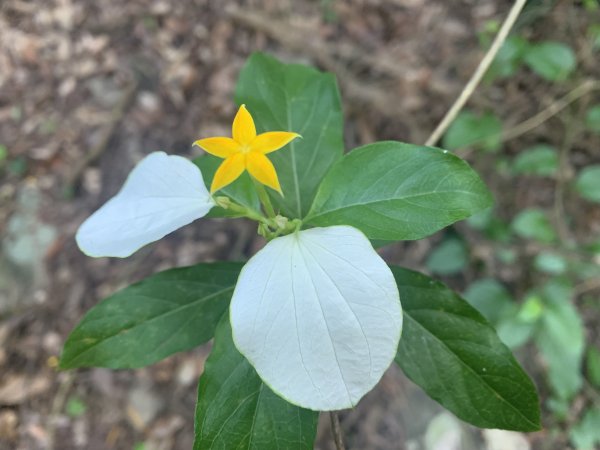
553, 109
336, 430
478, 74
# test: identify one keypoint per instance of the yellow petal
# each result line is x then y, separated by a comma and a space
262, 169
222, 147
243, 129
272, 140
228, 171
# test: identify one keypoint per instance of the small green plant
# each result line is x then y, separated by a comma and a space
473, 130
557, 265
533, 223
448, 258
553, 61
588, 183
539, 160
311, 322
3, 155
75, 407
592, 118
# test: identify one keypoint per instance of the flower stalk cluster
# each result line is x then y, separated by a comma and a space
270, 226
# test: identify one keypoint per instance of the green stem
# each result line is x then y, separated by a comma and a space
227, 203
264, 199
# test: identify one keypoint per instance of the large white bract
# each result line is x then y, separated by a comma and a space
161, 194
318, 315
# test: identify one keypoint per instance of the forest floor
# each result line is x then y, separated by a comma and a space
87, 88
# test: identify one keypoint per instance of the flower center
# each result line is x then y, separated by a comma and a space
245, 149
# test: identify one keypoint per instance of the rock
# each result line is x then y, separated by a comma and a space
27, 238
24, 247
8, 425
444, 433
505, 440
188, 373
103, 380
16, 389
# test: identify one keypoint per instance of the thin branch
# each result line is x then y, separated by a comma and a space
573, 126
478, 74
336, 430
553, 109
547, 113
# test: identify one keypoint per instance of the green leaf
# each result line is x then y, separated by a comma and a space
394, 191
241, 191
471, 130
588, 183
553, 61
506, 255
518, 324
482, 219
560, 338
486, 35
492, 226
594, 247
292, 97
591, 5
490, 298
585, 435
169, 312
454, 354
593, 366
534, 224
550, 262
236, 410
448, 258
509, 58
532, 309
559, 407
75, 407
540, 160
514, 331
592, 118
593, 34
17, 166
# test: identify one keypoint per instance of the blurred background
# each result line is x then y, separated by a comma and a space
87, 88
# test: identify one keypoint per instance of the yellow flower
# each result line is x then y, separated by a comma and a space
246, 151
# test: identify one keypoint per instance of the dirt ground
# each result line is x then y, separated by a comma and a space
87, 88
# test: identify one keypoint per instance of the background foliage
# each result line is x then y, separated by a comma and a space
86, 91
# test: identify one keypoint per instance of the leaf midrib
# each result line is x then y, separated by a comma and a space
312, 216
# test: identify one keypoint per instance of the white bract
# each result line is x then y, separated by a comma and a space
318, 315
316, 312
161, 194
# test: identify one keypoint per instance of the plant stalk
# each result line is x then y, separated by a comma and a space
336, 430
263, 195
